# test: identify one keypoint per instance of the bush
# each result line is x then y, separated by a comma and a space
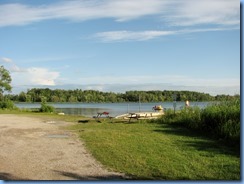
189, 117
46, 108
221, 120
168, 117
7, 104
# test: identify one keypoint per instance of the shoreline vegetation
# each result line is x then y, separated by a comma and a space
220, 120
189, 144
88, 96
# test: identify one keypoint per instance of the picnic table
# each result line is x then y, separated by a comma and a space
134, 116
100, 114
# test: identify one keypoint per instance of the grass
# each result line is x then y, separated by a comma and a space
37, 114
159, 151
221, 120
153, 151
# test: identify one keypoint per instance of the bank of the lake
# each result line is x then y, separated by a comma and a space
114, 109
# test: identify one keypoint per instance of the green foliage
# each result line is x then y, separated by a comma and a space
5, 80
189, 117
222, 120
78, 95
46, 108
7, 104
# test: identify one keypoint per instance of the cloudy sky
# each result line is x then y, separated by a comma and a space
120, 45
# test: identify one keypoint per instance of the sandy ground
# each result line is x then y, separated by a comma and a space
36, 149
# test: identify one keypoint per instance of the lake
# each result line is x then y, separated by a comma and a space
114, 109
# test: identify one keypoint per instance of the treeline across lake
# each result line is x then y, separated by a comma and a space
89, 96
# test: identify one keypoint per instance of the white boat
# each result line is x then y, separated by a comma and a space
141, 115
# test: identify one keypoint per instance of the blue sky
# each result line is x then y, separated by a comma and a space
115, 45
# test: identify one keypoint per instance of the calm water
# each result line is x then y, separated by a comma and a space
114, 109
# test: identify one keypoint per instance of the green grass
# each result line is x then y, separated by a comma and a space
152, 151
159, 151
37, 114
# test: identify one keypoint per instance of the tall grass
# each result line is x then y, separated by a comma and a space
222, 120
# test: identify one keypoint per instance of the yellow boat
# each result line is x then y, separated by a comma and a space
157, 107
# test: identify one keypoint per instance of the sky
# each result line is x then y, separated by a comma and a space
122, 45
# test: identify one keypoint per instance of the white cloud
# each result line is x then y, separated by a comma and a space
31, 75
78, 10
18, 14
42, 76
131, 36
6, 60
192, 12
34, 76
10, 65
15, 68
172, 12
121, 36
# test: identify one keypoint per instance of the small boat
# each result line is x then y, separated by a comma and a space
141, 115
157, 108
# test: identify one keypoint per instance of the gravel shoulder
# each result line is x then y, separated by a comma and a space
37, 149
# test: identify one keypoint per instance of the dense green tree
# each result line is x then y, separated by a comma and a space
5, 85
5, 80
22, 97
77, 95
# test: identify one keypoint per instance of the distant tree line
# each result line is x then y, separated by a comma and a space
89, 96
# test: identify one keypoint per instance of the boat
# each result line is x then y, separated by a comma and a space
157, 108
141, 115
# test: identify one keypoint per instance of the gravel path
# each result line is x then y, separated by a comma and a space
36, 149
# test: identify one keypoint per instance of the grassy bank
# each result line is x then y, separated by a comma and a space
221, 121
159, 151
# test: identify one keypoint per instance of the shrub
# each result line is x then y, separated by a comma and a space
7, 104
46, 108
221, 120
189, 117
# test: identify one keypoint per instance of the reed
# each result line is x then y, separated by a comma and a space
222, 120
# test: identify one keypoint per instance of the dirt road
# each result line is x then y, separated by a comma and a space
36, 149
